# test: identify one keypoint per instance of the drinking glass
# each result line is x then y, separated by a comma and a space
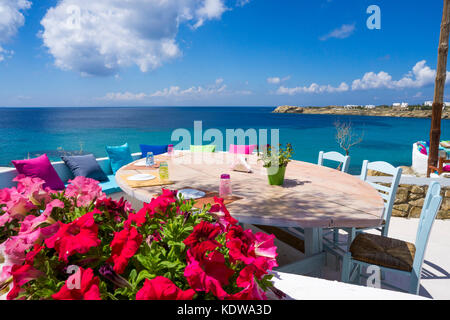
164, 171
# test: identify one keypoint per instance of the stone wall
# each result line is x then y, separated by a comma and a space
410, 198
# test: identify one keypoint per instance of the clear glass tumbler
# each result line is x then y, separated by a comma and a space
150, 160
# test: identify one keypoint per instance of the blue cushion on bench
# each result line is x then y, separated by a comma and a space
119, 156
155, 149
85, 166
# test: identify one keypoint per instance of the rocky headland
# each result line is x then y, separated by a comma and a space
376, 112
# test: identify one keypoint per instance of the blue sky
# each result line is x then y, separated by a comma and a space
215, 52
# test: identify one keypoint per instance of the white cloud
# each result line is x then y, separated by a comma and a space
421, 75
211, 9
274, 80
313, 88
126, 96
176, 93
11, 19
277, 80
345, 31
372, 80
192, 92
101, 37
241, 3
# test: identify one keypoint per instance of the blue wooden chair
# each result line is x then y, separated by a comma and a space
388, 194
335, 156
392, 254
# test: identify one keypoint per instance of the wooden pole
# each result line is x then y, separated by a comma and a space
438, 100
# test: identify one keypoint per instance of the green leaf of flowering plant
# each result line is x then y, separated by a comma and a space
123, 250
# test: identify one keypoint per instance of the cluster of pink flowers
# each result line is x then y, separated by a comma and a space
81, 226
207, 269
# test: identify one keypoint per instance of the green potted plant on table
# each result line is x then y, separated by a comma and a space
276, 161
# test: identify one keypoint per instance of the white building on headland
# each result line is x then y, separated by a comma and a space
401, 105
430, 104
351, 106
369, 106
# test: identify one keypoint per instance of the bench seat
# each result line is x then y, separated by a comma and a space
108, 187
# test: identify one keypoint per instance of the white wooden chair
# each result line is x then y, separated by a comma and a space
392, 254
388, 194
335, 156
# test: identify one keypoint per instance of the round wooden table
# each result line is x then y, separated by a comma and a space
312, 197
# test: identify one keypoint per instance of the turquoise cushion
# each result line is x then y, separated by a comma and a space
119, 156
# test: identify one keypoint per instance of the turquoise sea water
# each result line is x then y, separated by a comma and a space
30, 131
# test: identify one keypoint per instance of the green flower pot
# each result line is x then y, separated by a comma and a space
277, 179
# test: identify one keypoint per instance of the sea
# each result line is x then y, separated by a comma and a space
28, 132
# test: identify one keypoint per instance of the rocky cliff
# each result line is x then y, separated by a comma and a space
378, 112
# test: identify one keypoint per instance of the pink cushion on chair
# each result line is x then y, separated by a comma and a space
446, 168
40, 167
241, 149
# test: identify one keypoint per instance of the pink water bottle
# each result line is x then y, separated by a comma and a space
170, 149
225, 186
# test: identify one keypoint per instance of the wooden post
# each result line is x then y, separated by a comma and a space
438, 100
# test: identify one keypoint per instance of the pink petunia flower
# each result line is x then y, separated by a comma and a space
88, 287
76, 237
123, 247
209, 274
161, 288
83, 190
222, 214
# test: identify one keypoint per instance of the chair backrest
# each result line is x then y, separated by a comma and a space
430, 209
388, 193
335, 156
207, 148
242, 149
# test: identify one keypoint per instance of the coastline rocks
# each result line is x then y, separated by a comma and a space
288, 109
377, 112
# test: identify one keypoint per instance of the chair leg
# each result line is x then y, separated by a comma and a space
358, 275
351, 237
346, 267
414, 284
335, 237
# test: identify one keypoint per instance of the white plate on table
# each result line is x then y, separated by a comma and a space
191, 193
141, 177
141, 163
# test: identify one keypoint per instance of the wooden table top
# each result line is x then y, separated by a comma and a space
312, 196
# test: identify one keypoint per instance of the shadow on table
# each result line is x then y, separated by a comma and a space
291, 183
